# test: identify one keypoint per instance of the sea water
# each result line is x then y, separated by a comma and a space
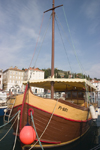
87, 142
8, 141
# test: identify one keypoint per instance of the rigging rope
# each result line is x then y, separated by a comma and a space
37, 41
43, 40
23, 107
80, 65
64, 46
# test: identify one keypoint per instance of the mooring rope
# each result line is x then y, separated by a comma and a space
10, 120
96, 147
36, 131
46, 125
10, 127
16, 130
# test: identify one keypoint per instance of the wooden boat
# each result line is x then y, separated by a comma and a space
64, 120
58, 122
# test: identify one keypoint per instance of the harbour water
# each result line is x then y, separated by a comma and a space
87, 142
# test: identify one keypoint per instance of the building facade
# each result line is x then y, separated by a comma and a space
1, 79
97, 85
12, 80
34, 74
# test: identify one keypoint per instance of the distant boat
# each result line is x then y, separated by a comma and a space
58, 122
3, 104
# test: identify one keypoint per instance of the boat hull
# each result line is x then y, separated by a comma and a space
56, 128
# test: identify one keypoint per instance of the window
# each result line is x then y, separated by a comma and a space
74, 94
35, 90
68, 94
80, 95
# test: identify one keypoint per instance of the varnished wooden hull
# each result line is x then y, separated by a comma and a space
68, 123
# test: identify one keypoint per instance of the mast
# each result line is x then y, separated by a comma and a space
52, 55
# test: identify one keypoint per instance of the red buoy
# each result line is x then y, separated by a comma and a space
27, 134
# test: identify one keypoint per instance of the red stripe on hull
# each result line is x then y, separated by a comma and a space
56, 114
59, 129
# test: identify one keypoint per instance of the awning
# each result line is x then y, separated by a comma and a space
62, 84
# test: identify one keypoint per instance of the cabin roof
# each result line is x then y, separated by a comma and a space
62, 84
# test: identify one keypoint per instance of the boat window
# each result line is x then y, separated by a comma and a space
80, 95
35, 90
68, 94
74, 94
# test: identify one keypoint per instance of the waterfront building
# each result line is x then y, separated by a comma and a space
34, 74
13, 79
96, 83
1, 79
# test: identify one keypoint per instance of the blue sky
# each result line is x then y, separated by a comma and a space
20, 22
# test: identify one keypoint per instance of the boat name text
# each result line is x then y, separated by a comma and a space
63, 108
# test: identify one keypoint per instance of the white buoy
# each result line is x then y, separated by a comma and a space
93, 113
5, 110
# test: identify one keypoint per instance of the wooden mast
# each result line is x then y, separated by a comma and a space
52, 55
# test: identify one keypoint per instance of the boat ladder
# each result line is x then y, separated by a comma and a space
8, 111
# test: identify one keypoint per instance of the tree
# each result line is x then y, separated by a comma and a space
58, 76
65, 75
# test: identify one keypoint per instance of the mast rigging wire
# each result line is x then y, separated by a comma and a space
64, 46
80, 65
43, 40
37, 41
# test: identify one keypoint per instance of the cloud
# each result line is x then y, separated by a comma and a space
91, 8
90, 11
20, 24
18, 31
